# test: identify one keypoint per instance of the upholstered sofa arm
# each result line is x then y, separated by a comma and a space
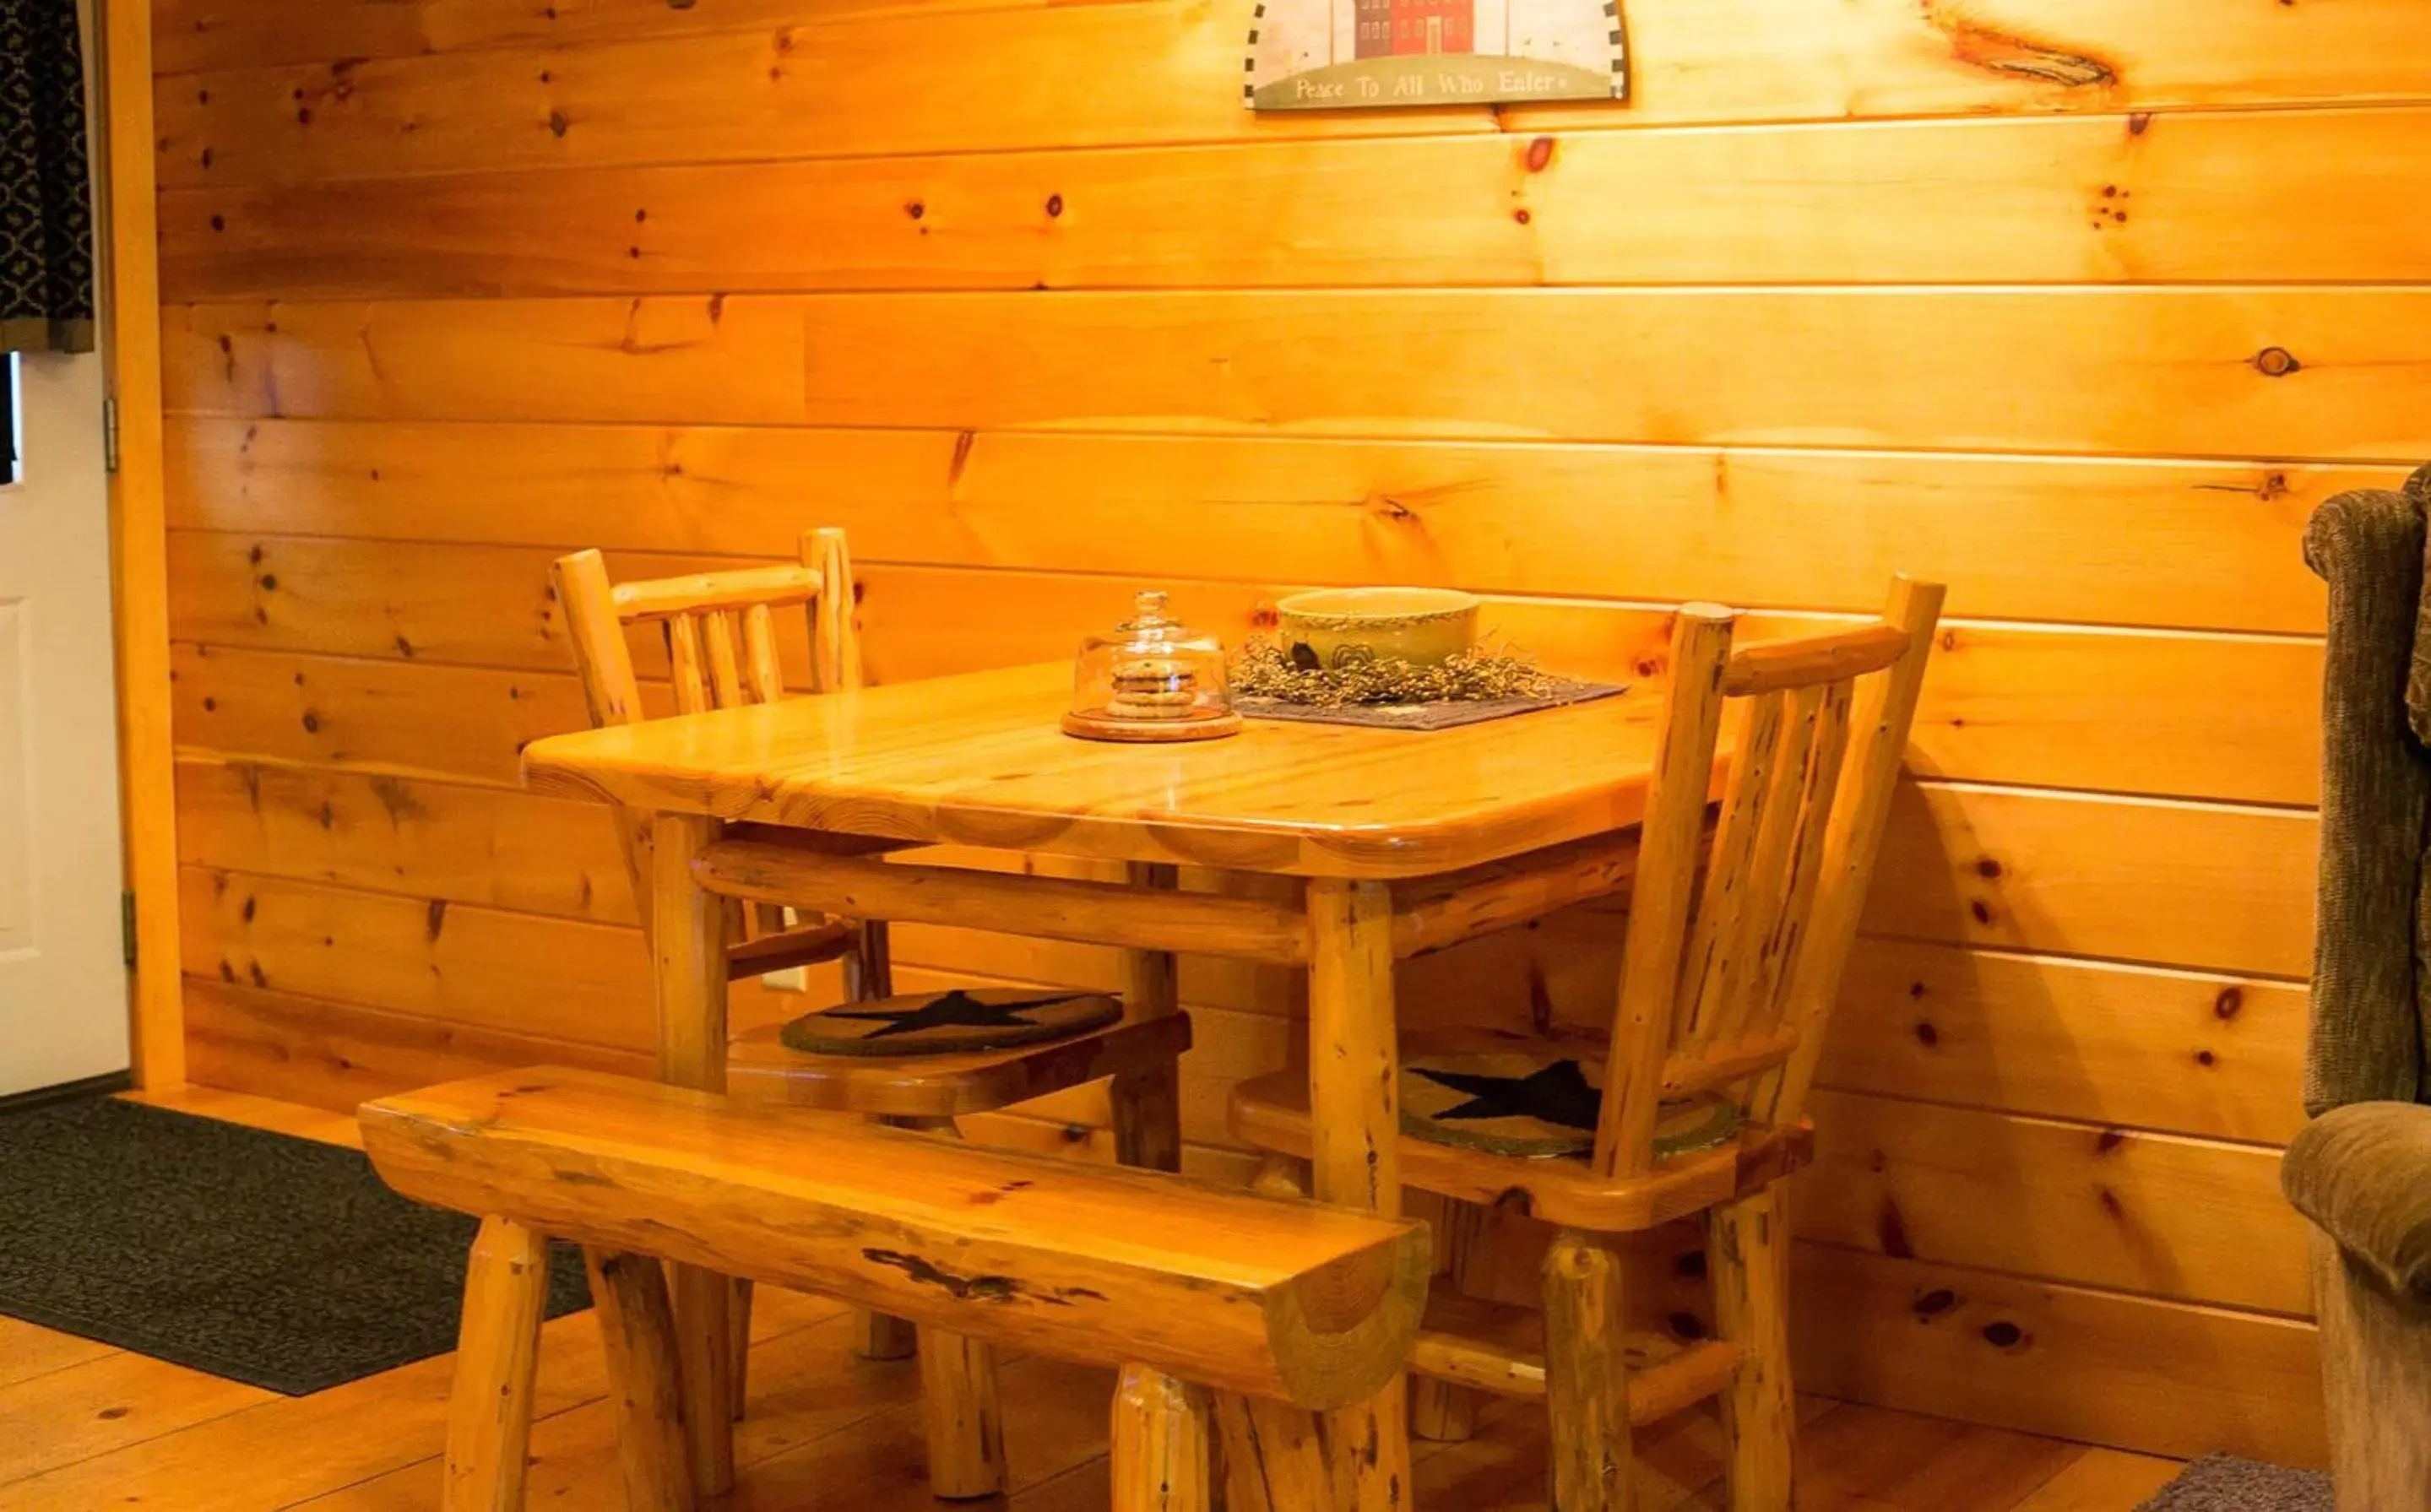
2367, 1040
2362, 1173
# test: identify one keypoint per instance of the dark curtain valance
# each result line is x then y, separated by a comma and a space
45, 192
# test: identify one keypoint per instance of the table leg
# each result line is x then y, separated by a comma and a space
1354, 1091
688, 939
869, 975
1146, 1105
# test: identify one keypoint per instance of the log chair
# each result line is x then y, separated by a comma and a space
1738, 930
1199, 1295
719, 630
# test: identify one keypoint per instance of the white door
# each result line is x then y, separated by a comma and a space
62, 963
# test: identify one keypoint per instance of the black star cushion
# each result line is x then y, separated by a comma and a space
958, 1021
1557, 1093
1539, 1104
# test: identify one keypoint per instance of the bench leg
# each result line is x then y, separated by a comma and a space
704, 1305
958, 1402
637, 1327
1272, 1453
1747, 1249
958, 1397
1587, 1379
1160, 1451
497, 1358
739, 1347
1273, 1457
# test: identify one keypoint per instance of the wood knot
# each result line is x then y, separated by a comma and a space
1926, 1035
2004, 1335
1541, 155
2276, 362
2229, 1003
1935, 1303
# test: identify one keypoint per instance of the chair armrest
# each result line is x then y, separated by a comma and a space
2362, 1173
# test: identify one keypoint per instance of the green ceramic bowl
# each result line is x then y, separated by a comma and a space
1339, 626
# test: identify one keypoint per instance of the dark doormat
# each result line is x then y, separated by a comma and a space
280, 1262
2224, 1483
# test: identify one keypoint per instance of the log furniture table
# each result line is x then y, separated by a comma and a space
1403, 842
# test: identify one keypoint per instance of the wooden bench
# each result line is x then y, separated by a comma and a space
1184, 1286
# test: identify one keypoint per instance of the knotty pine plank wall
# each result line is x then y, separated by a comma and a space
2080, 305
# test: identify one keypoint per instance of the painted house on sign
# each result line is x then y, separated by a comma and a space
1314, 55
1390, 29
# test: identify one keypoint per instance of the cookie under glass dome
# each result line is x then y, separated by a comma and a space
1151, 679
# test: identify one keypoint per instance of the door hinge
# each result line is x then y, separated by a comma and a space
110, 434
127, 926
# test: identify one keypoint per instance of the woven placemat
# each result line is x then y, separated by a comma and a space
1442, 716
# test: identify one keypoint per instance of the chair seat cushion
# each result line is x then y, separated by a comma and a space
955, 1022
2362, 1173
1539, 1104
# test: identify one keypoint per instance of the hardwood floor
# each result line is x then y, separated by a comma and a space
85, 1426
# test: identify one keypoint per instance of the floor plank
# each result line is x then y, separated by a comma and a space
1865, 1457
103, 1405
2102, 1480
28, 1350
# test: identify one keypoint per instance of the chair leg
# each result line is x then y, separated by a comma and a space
885, 1336
1747, 1254
1281, 1176
637, 1327
1440, 1411
1160, 1453
1586, 1381
958, 1402
497, 1360
959, 1398
1146, 1107
738, 1319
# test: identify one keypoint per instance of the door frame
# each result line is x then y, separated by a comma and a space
128, 226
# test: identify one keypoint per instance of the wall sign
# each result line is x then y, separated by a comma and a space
1348, 55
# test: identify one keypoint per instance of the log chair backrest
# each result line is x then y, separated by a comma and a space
721, 641
1727, 980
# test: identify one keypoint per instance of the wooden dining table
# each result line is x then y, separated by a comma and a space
1399, 843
